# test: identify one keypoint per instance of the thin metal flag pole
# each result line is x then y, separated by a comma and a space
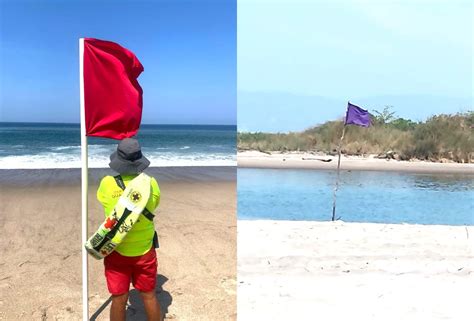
338, 170
84, 187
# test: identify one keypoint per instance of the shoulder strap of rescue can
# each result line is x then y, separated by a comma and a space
149, 215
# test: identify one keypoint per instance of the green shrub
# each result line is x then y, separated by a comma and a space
441, 136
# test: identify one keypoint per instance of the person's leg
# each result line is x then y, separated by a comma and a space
118, 274
152, 307
144, 280
117, 309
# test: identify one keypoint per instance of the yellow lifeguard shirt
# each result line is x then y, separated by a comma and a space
140, 238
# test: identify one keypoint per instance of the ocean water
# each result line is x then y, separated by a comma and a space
363, 196
34, 145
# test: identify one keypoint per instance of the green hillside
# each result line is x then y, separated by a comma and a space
439, 138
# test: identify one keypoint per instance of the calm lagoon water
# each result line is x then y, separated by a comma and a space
363, 196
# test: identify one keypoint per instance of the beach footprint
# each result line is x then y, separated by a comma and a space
229, 285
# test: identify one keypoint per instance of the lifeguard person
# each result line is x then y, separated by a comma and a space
134, 259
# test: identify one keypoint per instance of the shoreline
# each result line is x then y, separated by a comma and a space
374, 271
342, 222
94, 164
72, 176
286, 221
301, 160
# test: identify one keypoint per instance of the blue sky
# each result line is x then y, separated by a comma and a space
299, 62
188, 50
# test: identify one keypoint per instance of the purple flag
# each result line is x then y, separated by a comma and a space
357, 116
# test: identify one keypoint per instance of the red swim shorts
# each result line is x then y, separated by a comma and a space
121, 270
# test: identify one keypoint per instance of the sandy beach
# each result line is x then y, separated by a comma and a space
295, 160
40, 265
294, 270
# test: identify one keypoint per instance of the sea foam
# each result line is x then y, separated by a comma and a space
63, 160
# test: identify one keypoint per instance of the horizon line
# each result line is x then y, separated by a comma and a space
78, 123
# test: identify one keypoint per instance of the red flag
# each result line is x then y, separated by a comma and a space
112, 95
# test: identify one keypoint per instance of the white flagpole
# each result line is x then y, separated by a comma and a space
84, 187
338, 171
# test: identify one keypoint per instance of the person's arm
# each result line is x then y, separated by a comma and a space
103, 196
154, 200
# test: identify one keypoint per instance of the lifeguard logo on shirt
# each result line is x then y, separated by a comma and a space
135, 197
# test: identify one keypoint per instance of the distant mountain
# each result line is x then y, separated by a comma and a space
284, 112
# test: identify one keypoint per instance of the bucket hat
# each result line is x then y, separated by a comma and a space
128, 158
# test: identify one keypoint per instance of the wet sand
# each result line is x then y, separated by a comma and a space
297, 160
290, 270
40, 262
72, 176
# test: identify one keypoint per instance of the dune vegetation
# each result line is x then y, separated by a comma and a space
440, 138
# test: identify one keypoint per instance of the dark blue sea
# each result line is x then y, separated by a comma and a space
39, 145
363, 196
